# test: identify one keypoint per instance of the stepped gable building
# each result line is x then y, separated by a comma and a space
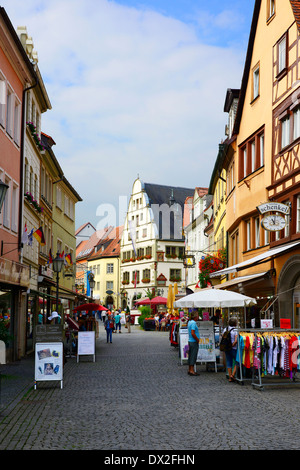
152, 243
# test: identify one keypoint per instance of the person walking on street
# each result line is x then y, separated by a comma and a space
128, 322
118, 322
194, 338
109, 326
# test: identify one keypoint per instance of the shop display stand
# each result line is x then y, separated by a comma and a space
259, 381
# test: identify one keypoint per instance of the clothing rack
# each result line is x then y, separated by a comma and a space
259, 380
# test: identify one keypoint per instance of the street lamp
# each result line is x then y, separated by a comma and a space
57, 267
92, 283
3, 189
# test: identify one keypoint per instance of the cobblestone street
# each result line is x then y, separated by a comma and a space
137, 396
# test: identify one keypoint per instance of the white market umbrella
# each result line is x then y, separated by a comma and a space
215, 298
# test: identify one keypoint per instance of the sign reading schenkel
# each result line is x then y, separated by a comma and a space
273, 207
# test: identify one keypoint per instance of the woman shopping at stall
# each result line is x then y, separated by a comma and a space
231, 351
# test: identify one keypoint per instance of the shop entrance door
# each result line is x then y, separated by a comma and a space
296, 302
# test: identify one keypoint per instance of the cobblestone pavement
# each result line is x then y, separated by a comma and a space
137, 396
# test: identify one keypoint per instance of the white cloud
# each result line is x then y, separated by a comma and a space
133, 92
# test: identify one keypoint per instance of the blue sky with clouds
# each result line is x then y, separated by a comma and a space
136, 87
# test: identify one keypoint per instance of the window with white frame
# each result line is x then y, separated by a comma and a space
110, 285
296, 130
253, 155
9, 111
2, 100
282, 54
17, 121
6, 206
255, 82
257, 232
109, 268
14, 209
298, 215
261, 149
285, 131
248, 235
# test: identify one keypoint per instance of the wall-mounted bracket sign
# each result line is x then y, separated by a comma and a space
273, 207
272, 221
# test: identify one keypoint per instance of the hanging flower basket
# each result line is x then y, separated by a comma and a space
35, 136
210, 264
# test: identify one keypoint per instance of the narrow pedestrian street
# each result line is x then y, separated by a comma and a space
137, 396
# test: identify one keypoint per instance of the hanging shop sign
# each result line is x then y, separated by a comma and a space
273, 207
272, 220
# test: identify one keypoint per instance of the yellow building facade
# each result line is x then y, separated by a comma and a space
104, 264
262, 204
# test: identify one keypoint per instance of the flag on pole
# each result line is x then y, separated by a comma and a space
25, 235
30, 239
39, 235
50, 260
132, 235
68, 258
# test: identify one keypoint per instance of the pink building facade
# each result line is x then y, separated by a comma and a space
16, 75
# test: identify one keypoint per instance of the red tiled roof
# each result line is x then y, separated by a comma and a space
296, 10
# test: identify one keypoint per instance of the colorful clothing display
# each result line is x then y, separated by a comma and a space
274, 353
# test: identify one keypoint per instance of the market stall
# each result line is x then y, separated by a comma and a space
215, 298
85, 315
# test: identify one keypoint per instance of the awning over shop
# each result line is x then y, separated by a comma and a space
254, 285
89, 308
263, 257
240, 280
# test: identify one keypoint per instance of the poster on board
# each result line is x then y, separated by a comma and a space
48, 362
207, 351
86, 344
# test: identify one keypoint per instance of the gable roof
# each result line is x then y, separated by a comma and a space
83, 226
295, 4
159, 194
110, 245
86, 247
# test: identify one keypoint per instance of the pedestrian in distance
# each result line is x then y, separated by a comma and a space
194, 338
128, 323
109, 326
118, 322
